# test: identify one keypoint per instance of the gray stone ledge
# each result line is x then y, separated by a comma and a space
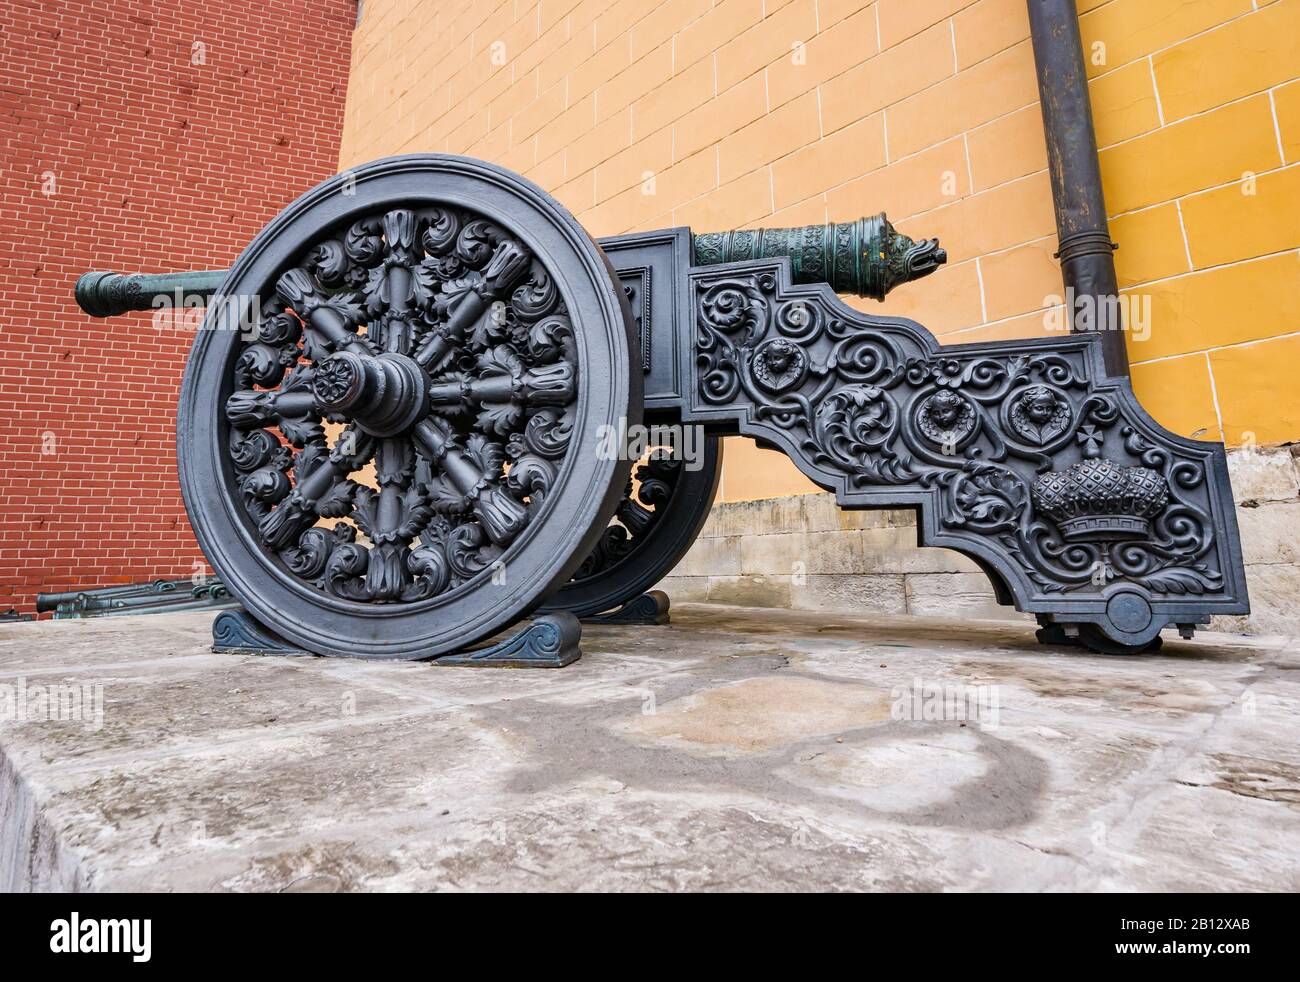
735, 749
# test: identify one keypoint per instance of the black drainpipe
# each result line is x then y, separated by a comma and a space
1087, 265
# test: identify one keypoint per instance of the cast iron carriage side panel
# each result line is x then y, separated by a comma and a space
1020, 454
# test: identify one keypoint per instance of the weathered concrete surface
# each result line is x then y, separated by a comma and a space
735, 749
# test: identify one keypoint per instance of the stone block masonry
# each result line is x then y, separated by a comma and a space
802, 551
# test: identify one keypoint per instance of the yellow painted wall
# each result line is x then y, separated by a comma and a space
640, 114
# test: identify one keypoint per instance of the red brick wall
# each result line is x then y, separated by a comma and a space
136, 136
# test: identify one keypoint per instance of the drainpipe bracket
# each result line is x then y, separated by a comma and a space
1090, 243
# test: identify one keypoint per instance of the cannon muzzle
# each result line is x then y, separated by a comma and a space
867, 258
103, 294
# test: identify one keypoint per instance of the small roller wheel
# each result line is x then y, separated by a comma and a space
1094, 639
1128, 626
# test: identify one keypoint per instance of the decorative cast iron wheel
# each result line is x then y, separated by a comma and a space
449, 324
651, 531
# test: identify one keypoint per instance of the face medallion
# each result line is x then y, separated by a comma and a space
946, 418
1039, 415
779, 365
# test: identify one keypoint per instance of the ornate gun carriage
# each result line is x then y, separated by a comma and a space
451, 325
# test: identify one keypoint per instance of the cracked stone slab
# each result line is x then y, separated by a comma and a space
734, 749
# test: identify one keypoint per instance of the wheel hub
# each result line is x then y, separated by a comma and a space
384, 395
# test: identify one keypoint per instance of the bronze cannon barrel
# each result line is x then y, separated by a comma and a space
866, 258
107, 294
50, 601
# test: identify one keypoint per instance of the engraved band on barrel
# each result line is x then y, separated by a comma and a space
866, 258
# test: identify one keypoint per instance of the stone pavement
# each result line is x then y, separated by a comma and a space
732, 750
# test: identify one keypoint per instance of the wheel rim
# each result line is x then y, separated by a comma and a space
652, 530
450, 324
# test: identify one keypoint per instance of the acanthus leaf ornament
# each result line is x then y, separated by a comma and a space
385, 301
855, 427
1019, 455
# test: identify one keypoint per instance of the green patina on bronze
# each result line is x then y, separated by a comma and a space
866, 258
106, 294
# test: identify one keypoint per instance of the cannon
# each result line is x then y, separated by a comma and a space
155, 596
411, 416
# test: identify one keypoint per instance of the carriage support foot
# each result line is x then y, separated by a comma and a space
550, 641
236, 632
650, 609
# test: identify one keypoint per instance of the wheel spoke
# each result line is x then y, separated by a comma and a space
324, 491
